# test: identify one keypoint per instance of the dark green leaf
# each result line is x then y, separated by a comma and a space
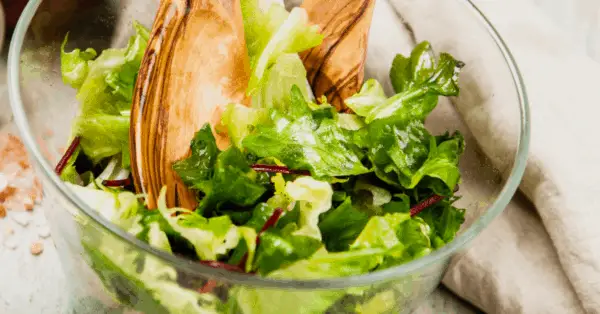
400, 204
415, 235
418, 82
261, 213
324, 151
371, 196
233, 181
397, 149
445, 219
441, 164
280, 247
404, 153
408, 72
199, 166
340, 226
222, 177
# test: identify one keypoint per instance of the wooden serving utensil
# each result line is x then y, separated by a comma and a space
335, 68
195, 64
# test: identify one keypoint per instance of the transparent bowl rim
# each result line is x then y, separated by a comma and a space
189, 266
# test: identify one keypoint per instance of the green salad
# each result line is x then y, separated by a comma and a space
303, 192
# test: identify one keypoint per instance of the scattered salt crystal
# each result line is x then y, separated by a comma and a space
44, 232
36, 248
28, 203
10, 243
22, 218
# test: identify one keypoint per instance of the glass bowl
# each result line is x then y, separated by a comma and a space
90, 247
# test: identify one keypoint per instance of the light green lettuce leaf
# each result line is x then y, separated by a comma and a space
314, 198
211, 238
270, 34
120, 208
104, 90
287, 71
321, 265
350, 121
240, 121
380, 232
370, 96
382, 303
74, 65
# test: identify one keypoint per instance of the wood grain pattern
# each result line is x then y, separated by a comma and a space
336, 67
195, 64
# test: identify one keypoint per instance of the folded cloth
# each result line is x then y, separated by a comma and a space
526, 261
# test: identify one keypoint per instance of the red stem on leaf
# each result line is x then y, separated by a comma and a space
268, 224
211, 283
271, 221
279, 169
430, 201
117, 183
208, 286
424, 204
65, 158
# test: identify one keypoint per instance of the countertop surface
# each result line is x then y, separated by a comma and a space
36, 284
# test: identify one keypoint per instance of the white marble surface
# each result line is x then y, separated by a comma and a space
35, 284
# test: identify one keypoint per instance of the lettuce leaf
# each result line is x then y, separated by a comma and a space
303, 143
274, 36
212, 237
314, 198
370, 96
320, 265
122, 82
199, 166
282, 247
445, 219
404, 154
397, 149
74, 65
105, 89
221, 176
119, 207
442, 164
240, 121
342, 225
403, 238
418, 82
136, 279
287, 71
380, 232
273, 33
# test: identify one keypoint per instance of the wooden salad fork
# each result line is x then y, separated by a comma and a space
196, 63
335, 68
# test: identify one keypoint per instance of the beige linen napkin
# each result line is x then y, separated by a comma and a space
523, 262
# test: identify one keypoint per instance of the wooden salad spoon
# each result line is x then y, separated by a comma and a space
335, 68
196, 63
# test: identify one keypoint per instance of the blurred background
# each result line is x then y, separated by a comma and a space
580, 18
